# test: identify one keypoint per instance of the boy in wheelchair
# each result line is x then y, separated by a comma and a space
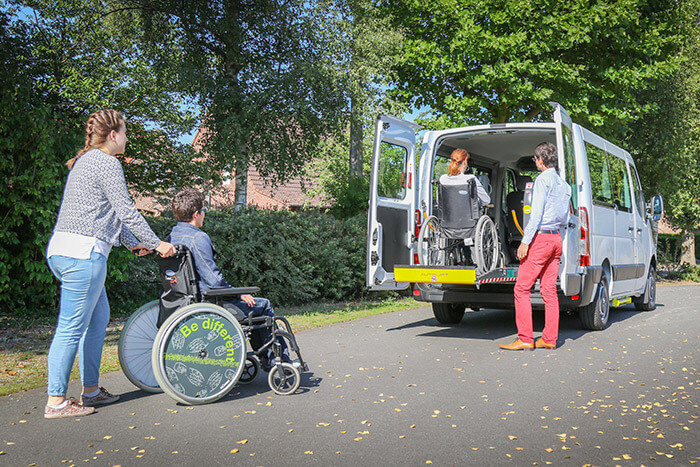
188, 209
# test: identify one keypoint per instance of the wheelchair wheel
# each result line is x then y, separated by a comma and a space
284, 379
250, 370
199, 354
429, 252
486, 245
136, 345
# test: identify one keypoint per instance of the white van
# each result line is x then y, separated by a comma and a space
609, 247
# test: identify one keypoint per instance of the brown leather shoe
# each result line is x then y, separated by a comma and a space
518, 345
540, 344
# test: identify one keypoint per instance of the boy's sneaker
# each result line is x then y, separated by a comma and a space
104, 397
72, 409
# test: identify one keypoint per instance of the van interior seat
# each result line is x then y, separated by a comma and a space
514, 203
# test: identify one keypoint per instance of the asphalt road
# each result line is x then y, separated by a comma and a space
400, 389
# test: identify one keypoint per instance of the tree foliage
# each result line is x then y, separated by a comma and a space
665, 143
477, 61
257, 68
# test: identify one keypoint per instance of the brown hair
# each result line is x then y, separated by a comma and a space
185, 203
97, 129
457, 157
547, 152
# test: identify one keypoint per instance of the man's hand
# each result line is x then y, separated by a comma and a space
522, 251
248, 299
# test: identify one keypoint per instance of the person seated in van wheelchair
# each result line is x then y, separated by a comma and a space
460, 233
188, 209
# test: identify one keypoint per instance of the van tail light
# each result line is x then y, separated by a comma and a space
415, 258
584, 245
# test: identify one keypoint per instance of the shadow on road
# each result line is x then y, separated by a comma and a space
259, 386
494, 324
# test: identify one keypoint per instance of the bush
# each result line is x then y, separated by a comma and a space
668, 248
294, 257
686, 272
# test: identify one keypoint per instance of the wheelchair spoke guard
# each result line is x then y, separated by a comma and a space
199, 354
136, 345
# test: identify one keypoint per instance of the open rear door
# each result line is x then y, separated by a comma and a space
570, 280
392, 201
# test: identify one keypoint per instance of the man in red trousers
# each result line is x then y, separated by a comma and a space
540, 251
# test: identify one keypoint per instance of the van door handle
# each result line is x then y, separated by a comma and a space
572, 225
630, 229
639, 231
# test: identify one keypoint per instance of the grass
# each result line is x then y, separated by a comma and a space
25, 343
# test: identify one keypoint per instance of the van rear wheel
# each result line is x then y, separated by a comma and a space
594, 316
448, 313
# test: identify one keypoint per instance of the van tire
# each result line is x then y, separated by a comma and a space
448, 313
594, 316
647, 301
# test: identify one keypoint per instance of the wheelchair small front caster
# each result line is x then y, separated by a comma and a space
250, 370
284, 379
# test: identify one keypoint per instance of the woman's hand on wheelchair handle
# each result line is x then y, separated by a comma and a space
165, 249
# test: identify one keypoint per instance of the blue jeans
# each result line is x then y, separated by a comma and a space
82, 321
259, 337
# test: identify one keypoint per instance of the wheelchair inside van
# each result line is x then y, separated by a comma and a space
459, 233
192, 348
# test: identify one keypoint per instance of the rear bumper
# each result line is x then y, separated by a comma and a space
483, 293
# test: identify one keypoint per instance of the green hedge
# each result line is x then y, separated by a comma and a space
669, 248
293, 257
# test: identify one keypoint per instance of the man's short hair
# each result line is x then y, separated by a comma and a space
185, 203
547, 152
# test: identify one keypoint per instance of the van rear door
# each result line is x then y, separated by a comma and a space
570, 281
392, 201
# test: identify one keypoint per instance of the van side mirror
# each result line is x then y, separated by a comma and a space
655, 208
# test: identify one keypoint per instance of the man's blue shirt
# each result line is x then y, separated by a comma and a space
199, 243
550, 204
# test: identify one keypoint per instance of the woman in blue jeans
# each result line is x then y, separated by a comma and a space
96, 213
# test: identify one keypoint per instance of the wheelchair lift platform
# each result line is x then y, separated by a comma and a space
466, 275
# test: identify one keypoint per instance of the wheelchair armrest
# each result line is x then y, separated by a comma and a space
229, 291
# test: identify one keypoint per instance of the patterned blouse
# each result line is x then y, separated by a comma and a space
96, 203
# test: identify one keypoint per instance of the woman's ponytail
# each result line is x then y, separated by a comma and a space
97, 129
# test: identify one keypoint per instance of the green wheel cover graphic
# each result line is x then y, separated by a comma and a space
201, 354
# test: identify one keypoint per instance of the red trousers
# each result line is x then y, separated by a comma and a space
542, 261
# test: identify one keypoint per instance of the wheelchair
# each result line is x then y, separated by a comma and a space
192, 348
460, 234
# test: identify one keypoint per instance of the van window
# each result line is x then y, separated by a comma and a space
600, 175
441, 164
638, 193
391, 173
620, 183
570, 160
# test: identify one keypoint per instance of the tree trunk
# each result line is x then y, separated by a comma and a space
241, 193
356, 139
688, 247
